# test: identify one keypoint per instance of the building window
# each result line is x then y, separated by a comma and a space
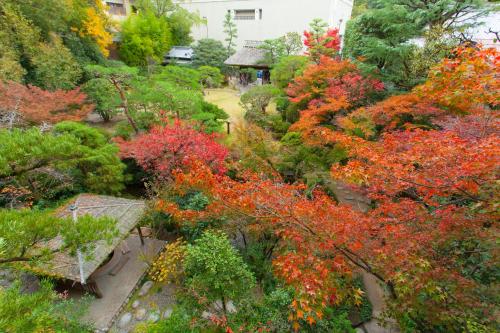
244, 14
115, 8
260, 14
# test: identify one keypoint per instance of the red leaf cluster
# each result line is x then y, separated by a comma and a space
327, 45
166, 148
36, 105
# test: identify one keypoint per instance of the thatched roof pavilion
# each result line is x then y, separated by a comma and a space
127, 214
250, 56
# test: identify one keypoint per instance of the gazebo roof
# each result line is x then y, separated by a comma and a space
126, 212
248, 56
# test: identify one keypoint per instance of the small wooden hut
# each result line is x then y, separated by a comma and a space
250, 56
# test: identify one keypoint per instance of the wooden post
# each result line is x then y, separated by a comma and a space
228, 123
74, 212
140, 235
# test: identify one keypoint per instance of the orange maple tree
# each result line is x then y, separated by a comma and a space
37, 106
431, 174
467, 83
327, 91
260, 204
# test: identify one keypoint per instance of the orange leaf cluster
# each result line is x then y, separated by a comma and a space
302, 223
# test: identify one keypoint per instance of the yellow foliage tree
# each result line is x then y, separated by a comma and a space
96, 26
168, 267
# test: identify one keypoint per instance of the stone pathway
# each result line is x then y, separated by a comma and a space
150, 303
117, 288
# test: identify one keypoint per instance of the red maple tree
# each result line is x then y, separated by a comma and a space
37, 106
322, 45
170, 146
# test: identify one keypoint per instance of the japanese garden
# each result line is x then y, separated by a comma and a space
223, 167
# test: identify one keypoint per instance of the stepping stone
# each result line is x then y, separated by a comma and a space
154, 316
136, 304
145, 288
140, 314
167, 313
229, 306
206, 315
125, 320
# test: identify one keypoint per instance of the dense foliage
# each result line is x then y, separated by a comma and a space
42, 311
428, 163
21, 104
209, 52
145, 38
384, 36
380, 162
47, 43
68, 159
24, 234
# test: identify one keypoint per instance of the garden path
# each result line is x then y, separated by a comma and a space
228, 100
374, 291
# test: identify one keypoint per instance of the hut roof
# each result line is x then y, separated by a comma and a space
249, 56
180, 52
125, 211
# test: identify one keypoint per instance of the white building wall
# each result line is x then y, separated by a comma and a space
278, 17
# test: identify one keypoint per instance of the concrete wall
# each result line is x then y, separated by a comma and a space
278, 17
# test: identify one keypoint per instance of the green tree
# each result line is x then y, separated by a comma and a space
41, 311
120, 77
379, 37
209, 52
104, 96
145, 37
215, 272
24, 234
258, 98
55, 67
231, 32
287, 45
183, 77
160, 8
210, 77
43, 40
181, 22
287, 69
382, 36
71, 158
211, 118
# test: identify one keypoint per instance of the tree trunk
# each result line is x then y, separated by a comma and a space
125, 106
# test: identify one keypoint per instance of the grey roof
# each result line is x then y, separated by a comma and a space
127, 214
180, 52
248, 56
